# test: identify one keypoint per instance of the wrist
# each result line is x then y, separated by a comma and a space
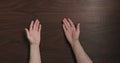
77, 40
34, 48
34, 45
74, 43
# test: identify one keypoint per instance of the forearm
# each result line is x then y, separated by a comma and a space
80, 54
35, 54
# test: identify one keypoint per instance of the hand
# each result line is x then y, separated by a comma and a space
71, 32
34, 32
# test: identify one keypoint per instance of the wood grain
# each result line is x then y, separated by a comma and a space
100, 32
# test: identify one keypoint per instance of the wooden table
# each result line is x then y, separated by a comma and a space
100, 29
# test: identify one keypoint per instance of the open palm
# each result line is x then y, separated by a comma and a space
71, 32
33, 34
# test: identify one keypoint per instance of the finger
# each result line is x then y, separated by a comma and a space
27, 32
39, 30
78, 27
64, 28
65, 24
31, 25
71, 23
35, 24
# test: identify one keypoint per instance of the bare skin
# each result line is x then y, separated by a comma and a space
34, 37
72, 34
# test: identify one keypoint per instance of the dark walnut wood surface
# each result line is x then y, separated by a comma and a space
100, 29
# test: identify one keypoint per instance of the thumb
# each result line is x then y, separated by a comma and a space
78, 27
27, 32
